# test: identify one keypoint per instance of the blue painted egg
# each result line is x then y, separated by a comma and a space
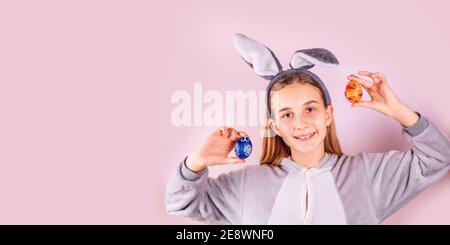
243, 147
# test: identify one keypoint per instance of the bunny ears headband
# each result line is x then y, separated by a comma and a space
265, 64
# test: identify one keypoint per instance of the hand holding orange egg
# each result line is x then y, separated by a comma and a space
382, 97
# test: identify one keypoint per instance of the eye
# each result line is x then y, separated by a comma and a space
287, 115
310, 109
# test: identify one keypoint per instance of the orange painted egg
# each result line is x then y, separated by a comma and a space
353, 91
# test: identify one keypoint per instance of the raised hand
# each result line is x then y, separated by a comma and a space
383, 98
215, 149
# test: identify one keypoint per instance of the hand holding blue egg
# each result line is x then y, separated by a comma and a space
243, 147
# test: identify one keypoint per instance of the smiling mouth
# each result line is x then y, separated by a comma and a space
305, 137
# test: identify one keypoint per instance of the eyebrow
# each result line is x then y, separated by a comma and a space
305, 104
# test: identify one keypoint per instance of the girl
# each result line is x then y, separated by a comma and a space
304, 178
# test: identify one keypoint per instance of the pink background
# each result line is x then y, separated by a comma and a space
85, 87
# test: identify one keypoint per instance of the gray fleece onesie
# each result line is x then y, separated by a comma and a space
361, 189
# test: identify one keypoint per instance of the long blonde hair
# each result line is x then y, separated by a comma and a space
274, 148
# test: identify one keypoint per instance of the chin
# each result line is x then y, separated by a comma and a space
305, 150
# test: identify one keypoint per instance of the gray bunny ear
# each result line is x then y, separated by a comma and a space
307, 58
259, 57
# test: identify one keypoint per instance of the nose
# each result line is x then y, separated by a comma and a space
300, 123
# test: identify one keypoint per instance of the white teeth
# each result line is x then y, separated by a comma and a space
305, 137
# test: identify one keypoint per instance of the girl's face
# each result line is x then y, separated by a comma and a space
300, 117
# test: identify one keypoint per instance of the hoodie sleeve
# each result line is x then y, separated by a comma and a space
394, 177
195, 195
